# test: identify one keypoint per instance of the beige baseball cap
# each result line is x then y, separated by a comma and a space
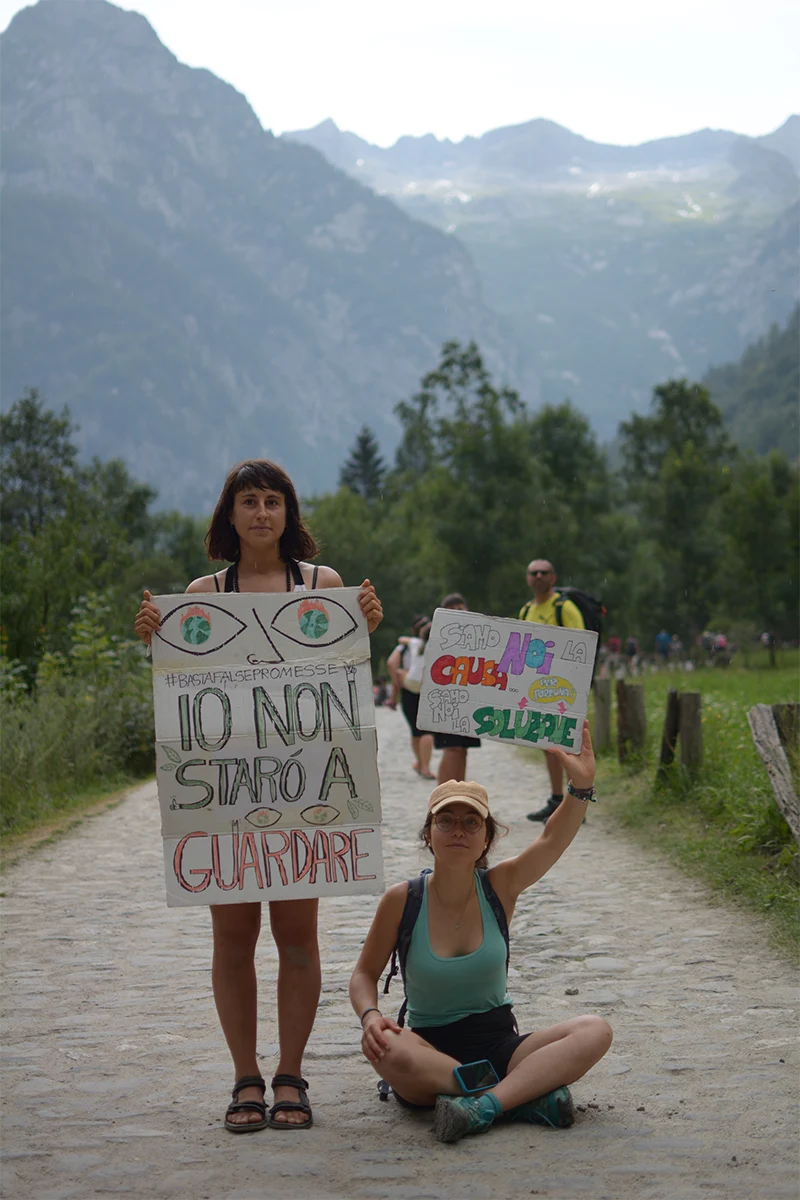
471, 793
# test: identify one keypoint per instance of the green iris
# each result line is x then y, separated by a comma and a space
314, 623
196, 630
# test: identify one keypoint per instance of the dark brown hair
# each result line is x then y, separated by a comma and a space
222, 540
453, 599
494, 830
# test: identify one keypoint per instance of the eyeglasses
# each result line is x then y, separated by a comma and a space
446, 822
534, 573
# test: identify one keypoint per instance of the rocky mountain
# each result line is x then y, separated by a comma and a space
616, 266
195, 289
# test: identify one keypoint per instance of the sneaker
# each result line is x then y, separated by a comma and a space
456, 1116
555, 1109
544, 814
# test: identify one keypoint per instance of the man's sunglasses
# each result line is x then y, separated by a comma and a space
535, 573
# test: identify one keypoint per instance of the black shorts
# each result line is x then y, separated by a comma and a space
410, 705
494, 1035
447, 741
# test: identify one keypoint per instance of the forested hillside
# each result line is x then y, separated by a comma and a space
759, 395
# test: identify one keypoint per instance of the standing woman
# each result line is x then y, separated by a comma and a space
398, 665
257, 527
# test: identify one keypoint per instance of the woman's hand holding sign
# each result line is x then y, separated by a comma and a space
371, 606
581, 767
148, 619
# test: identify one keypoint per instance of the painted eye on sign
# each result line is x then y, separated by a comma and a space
199, 629
314, 622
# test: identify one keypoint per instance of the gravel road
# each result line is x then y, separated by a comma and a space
116, 1077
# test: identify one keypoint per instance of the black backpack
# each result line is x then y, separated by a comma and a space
591, 609
411, 911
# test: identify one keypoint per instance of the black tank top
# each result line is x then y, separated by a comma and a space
293, 576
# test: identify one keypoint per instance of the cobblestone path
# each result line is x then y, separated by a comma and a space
115, 1075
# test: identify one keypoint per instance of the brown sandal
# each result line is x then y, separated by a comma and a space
300, 1105
256, 1106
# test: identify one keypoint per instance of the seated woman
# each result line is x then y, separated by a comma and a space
459, 1010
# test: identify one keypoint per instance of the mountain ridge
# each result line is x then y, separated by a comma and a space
559, 147
167, 258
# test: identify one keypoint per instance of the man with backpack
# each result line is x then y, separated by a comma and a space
550, 605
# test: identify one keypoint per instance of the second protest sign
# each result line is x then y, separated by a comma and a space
516, 682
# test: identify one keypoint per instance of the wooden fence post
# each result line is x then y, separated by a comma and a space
670, 735
787, 719
764, 728
622, 721
637, 716
691, 728
602, 713
631, 718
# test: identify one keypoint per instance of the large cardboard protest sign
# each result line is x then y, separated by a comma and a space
516, 682
266, 750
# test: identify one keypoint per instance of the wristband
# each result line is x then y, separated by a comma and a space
367, 1010
582, 793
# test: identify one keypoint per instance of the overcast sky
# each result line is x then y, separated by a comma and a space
619, 71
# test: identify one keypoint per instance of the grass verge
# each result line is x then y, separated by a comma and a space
721, 825
43, 830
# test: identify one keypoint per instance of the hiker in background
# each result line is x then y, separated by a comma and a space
454, 747
548, 607
463, 1052
257, 527
663, 643
632, 655
405, 669
614, 655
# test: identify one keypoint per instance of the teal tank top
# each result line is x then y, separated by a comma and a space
443, 990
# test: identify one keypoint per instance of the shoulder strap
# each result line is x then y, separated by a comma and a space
526, 608
314, 577
497, 908
297, 574
411, 910
232, 578
216, 581
558, 604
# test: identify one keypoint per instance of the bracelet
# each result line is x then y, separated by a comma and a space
582, 793
367, 1010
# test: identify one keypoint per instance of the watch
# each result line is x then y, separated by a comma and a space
582, 793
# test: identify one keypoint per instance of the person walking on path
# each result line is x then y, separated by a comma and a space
454, 747
257, 527
663, 643
546, 607
455, 972
398, 665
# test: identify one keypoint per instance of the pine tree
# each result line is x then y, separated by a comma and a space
364, 470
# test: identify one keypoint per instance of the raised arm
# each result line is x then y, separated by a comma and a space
514, 875
375, 953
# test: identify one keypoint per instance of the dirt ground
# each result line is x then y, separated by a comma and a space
115, 1074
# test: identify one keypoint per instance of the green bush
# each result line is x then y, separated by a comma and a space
85, 721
